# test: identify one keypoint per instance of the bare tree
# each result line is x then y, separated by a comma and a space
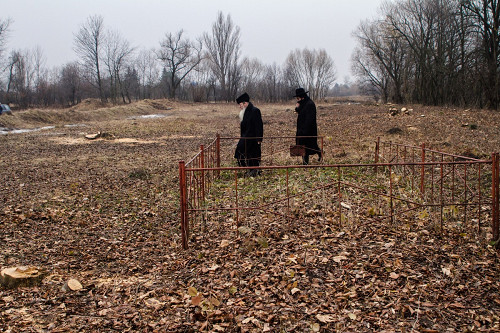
70, 82
313, 70
27, 77
16, 76
88, 44
38, 61
180, 56
429, 29
486, 14
21, 82
420, 50
294, 72
147, 66
325, 73
223, 51
203, 83
273, 85
4, 34
118, 53
252, 71
380, 58
39, 76
372, 77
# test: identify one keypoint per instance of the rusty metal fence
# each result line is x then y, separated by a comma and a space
446, 181
403, 184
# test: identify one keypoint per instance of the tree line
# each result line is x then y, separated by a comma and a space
436, 52
208, 68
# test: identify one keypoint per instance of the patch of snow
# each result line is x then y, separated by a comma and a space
20, 131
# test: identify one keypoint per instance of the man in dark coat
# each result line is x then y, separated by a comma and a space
306, 125
248, 151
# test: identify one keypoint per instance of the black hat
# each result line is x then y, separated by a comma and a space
243, 98
299, 92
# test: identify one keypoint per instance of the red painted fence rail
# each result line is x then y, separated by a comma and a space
418, 178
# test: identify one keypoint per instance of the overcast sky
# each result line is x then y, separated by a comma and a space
270, 29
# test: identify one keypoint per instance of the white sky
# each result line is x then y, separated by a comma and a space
270, 29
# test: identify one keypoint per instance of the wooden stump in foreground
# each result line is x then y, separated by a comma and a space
21, 276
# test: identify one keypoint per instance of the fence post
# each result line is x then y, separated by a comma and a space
495, 196
237, 204
465, 194
340, 196
441, 198
377, 152
217, 152
272, 150
390, 194
322, 150
202, 172
422, 171
479, 199
184, 214
287, 196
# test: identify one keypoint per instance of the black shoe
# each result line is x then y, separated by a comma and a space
252, 173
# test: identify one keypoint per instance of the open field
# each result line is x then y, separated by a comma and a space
106, 212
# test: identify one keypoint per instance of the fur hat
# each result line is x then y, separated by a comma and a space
243, 98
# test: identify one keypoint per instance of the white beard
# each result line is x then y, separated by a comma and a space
242, 114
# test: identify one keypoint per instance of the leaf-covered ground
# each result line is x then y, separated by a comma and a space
106, 212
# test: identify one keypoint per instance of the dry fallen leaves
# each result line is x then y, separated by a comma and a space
325, 318
339, 259
59, 200
74, 284
196, 300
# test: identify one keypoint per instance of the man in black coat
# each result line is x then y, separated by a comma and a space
306, 125
248, 151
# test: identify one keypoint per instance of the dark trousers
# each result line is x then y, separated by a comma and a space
248, 154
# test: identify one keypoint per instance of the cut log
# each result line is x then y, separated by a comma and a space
100, 135
22, 276
93, 136
73, 285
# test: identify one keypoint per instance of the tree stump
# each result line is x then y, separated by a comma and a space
22, 276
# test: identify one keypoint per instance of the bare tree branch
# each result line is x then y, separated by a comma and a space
88, 45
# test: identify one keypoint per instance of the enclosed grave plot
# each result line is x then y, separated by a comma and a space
406, 186
303, 202
276, 199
